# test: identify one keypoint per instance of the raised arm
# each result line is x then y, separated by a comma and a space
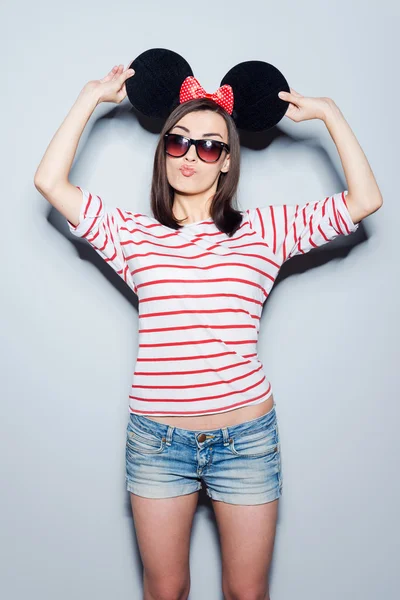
364, 196
51, 177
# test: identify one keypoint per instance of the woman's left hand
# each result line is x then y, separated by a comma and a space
302, 108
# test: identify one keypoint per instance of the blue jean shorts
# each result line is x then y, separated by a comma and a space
238, 465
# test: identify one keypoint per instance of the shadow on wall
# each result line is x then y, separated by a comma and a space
338, 248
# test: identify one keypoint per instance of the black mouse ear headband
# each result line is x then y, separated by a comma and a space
163, 79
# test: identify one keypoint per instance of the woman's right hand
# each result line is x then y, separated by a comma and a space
112, 87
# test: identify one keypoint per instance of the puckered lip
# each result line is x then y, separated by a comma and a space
187, 169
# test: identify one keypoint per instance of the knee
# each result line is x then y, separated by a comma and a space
248, 595
166, 590
243, 592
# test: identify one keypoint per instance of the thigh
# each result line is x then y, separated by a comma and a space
247, 535
163, 486
163, 527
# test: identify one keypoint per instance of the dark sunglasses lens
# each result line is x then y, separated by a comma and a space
176, 145
209, 151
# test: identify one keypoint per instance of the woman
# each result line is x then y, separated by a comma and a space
202, 409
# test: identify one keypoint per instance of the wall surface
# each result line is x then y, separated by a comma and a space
329, 332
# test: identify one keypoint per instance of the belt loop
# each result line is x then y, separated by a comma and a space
170, 431
225, 436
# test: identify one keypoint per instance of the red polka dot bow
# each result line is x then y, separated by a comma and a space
191, 89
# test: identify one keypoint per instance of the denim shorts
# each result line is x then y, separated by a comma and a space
238, 465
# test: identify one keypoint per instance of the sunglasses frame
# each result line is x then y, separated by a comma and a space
191, 141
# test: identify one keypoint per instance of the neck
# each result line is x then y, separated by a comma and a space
192, 208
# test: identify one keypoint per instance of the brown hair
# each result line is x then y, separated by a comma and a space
225, 216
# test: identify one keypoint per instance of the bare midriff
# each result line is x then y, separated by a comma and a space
225, 419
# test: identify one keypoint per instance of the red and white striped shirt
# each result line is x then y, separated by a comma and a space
201, 295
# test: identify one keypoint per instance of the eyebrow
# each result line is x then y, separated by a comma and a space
204, 134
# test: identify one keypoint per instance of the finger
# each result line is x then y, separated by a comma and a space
285, 96
126, 74
117, 72
109, 76
289, 97
293, 91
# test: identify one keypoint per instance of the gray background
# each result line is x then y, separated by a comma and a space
69, 324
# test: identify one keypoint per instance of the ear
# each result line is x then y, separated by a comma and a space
226, 164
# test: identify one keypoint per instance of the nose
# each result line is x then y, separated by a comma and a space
191, 154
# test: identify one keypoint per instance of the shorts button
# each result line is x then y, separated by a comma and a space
202, 437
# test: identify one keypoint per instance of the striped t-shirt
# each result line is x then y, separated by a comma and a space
201, 294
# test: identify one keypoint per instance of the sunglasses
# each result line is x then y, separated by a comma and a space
207, 150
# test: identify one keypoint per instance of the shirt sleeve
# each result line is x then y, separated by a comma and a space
100, 226
290, 230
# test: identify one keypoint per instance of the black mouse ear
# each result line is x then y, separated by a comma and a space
255, 86
154, 88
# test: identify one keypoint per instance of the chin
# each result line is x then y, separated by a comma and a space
184, 183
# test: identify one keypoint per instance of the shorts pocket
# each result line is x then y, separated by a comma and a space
142, 441
264, 442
